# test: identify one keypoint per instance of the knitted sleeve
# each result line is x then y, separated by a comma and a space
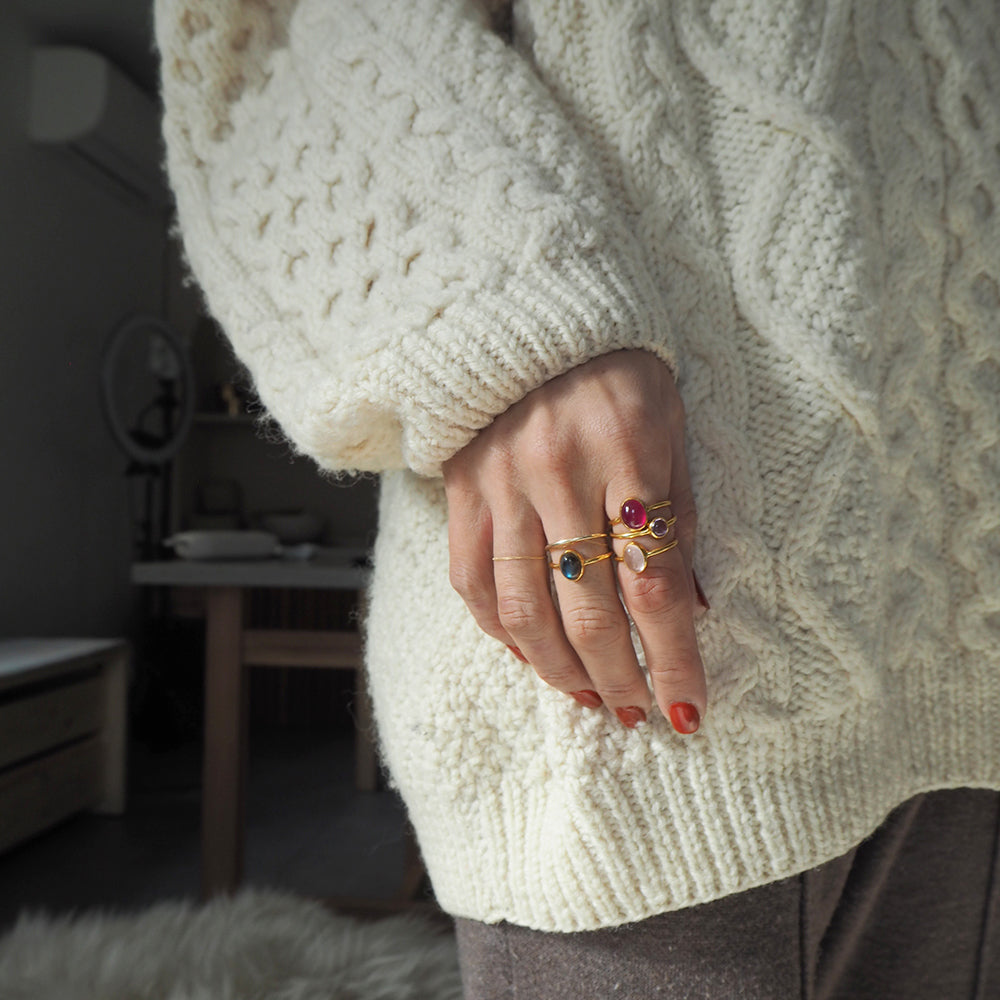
390, 217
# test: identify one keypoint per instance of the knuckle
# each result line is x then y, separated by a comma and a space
623, 692
477, 593
519, 615
663, 595
621, 428
649, 595
487, 620
466, 578
547, 452
675, 672
561, 676
460, 486
551, 466
485, 613
595, 627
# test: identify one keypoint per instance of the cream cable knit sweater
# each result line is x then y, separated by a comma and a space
406, 221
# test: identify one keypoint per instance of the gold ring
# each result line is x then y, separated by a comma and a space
658, 527
565, 542
572, 563
637, 557
634, 514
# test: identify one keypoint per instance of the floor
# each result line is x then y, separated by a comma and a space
308, 832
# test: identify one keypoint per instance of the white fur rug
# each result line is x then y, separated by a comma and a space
254, 946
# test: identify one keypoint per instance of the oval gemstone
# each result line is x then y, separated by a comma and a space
634, 556
571, 565
659, 527
634, 514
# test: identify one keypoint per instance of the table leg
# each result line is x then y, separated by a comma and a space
225, 752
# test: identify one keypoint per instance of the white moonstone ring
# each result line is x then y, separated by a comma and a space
634, 516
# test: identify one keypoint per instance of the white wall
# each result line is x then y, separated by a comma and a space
73, 261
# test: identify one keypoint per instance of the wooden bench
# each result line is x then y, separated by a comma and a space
62, 731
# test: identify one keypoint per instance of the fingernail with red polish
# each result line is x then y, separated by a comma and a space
589, 699
699, 593
630, 717
518, 654
684, 717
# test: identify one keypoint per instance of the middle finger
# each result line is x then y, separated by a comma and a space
592, 615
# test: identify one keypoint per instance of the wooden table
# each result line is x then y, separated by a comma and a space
230, 647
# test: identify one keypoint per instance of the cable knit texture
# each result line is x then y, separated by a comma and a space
408, 216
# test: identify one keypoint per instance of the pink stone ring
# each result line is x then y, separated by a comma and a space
634, 516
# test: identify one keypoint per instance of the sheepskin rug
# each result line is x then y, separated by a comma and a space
252, 946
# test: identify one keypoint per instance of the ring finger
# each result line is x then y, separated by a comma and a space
656, 587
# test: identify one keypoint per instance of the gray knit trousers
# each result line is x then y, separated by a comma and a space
913, 913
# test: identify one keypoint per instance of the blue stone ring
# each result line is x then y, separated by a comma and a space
571, 562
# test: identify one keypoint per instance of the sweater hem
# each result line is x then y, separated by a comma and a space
732, 818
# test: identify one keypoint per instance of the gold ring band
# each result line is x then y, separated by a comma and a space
635, 517
658, 527
566, 542
572, 564
634, 514
637, 557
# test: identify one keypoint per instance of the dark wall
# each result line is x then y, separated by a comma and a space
74, 259
77, 256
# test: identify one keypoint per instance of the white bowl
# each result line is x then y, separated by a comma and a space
224, 544
293, 527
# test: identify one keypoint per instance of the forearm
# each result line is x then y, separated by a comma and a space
393, 221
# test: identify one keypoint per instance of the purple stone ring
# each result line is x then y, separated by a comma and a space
634, 515
639, 521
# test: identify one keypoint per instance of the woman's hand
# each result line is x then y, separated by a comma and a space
558, 465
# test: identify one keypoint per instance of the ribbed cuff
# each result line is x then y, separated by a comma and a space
695, 822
